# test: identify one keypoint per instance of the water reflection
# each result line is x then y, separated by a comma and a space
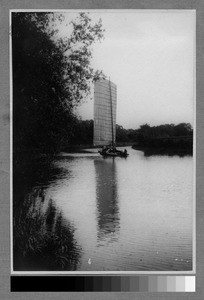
168, 152
107, 200
94, 214
42, 238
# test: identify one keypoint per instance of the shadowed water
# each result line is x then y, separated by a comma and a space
111, 214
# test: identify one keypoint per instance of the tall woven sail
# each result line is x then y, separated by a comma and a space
105, 97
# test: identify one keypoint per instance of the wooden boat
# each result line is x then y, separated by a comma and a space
113, 153
105, 98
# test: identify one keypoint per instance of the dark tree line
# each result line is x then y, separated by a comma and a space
147, 132
82, 133
51, 76
165, 139
167, 135
165, 131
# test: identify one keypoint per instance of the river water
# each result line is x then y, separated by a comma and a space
113, 214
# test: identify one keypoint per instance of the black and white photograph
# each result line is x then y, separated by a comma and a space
103, 114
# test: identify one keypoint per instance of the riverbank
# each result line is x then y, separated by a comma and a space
166, 146
83, 147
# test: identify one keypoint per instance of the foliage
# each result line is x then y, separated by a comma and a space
83, 132
121, 134
146, 132
168, 136
51, 75
145, 135
42, 238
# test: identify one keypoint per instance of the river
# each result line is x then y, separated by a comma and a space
87, 213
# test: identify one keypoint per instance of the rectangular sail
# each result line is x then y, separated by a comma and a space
105, 97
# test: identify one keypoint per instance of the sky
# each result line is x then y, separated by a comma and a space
150, 56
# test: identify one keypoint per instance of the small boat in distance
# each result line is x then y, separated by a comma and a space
112, 151
105, 97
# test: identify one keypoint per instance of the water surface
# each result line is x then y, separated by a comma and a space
117, 214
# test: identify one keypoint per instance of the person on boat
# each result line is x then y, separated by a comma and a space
104, 149
108, 150
125, 152
114, 149
111, 149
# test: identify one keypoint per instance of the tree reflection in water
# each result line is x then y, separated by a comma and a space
42, 239
107, 200
167, 152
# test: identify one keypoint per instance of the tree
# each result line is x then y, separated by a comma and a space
121, 134
51, 75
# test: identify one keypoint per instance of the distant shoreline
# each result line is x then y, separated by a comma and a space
150, 147
82, 148
162, 150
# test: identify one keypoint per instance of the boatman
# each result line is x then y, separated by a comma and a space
104, 149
